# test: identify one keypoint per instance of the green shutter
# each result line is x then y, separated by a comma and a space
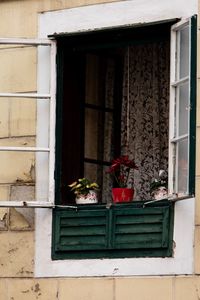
123, 230
81, 230
140, 228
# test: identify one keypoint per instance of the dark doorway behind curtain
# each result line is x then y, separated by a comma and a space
145, 112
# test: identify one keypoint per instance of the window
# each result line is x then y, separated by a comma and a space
183, 108
114, 98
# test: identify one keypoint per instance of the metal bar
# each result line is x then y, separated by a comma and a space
175, 199
153, 201
34, 204
26, 204
26, 95
26, 149
24, 41
172, 198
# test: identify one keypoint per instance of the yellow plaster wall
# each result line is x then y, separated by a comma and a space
18, 18
158, 288
197, 210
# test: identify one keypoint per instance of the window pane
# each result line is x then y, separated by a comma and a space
182, 172
184, 52
98, 174
98, 134
100, 75
183, 109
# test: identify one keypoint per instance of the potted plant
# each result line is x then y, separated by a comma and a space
85, 191
159, 186
121, 170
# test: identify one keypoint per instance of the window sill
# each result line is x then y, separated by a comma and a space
177, 264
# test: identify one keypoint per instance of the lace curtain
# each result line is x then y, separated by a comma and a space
145, 110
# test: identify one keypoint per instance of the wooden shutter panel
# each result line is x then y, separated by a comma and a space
140, 228
123, 230
81, 230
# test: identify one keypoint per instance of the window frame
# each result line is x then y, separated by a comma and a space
58, 251
174, 83
46, 200
96, 16
172, 141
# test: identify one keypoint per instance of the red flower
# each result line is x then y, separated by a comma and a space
120, 169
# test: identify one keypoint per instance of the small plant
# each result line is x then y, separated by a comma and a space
82, 186
121, 168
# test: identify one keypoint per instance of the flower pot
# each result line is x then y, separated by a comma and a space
90, 198
122, 195
160, 193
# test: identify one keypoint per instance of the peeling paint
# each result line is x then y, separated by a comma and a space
3, 214
26, 291
18, 221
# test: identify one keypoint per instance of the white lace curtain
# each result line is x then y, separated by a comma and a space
145, 110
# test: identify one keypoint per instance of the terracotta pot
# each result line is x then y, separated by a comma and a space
90, 198
122, 195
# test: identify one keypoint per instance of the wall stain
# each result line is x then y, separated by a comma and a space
26, 291
13, 250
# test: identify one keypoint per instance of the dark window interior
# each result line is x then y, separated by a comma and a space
90, 128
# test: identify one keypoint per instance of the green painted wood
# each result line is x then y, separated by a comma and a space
81, 229
154, 218
193, 92
106, 235
140, 228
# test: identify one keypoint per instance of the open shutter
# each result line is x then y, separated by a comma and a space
44, 59
182, 108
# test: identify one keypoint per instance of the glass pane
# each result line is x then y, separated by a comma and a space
91, 172
184, 52
183, 109
182, 172
98, 174
98, 134
99, 80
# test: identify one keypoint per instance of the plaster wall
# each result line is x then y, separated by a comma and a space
20, 19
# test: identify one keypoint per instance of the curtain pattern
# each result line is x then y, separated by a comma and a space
145, 110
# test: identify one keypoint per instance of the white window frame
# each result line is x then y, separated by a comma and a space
90, 18
175, 82
48, 199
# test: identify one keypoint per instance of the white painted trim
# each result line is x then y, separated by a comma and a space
181, 263
123, 13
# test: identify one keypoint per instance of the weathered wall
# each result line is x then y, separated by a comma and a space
19, 18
